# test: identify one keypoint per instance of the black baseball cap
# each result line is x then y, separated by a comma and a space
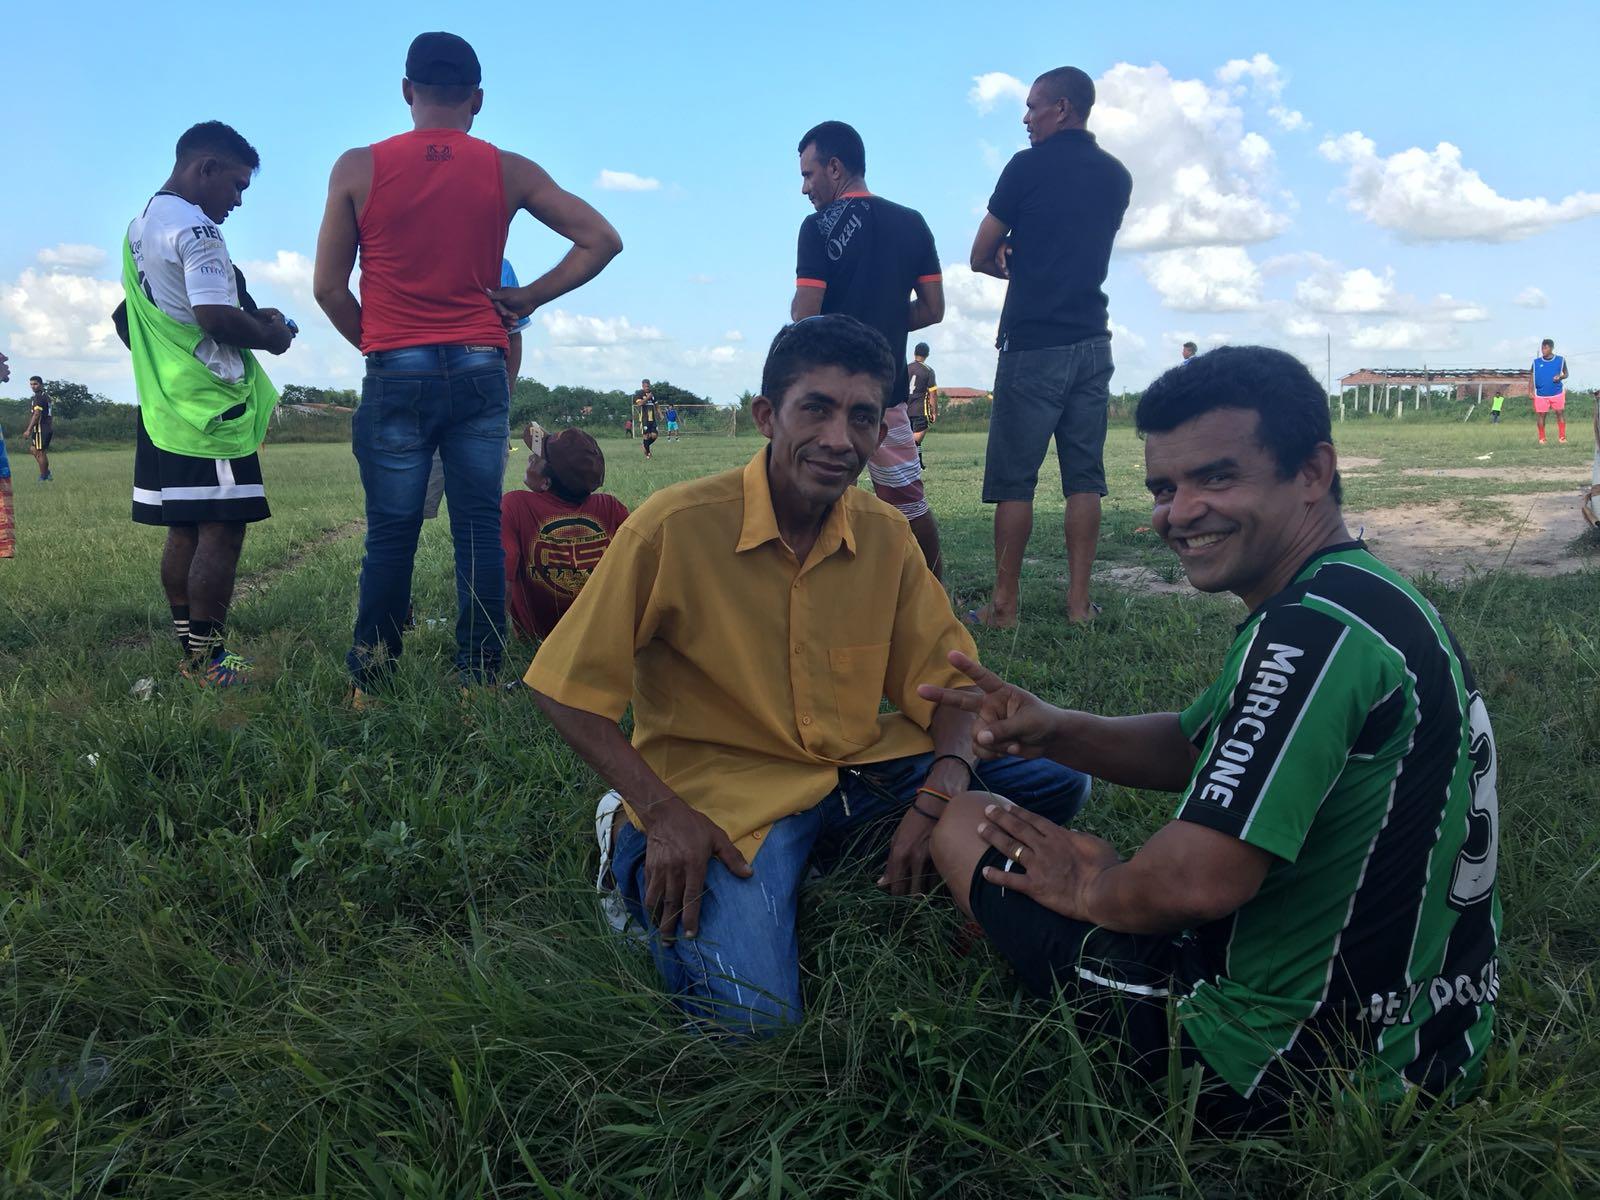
442, 59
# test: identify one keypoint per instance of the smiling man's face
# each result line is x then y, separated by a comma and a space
1222, 506
829, 423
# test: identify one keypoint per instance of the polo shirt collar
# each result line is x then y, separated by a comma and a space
760, 523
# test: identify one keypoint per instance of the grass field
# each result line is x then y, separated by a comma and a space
260, 945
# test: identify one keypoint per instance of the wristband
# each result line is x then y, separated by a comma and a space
928, 791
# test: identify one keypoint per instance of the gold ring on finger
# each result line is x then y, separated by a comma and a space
1017, 857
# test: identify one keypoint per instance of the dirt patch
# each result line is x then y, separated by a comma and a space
1355, 462
1574, 475
1143, 579
1530, 533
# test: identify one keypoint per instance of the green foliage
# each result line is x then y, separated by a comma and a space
301, 393
258, 945
73, 399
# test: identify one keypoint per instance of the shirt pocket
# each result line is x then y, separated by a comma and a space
858, 673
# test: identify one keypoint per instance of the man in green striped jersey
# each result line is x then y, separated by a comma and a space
1322, 907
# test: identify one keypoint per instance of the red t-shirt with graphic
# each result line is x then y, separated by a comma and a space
552, 547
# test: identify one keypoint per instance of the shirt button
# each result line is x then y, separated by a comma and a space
805, 720
798, 647
757, 836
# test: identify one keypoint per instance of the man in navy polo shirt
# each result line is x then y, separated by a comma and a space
1051, 221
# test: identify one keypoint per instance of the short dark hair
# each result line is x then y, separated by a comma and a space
1291, 405
35, 378
1071, 85
920, 350
445, 95
835, 139
834, 340
1549, 342
1190, 346
219, 141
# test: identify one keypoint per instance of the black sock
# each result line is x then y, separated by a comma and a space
205, 639
180, 624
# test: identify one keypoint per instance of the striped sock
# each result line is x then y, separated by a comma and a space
180, 624
205, 639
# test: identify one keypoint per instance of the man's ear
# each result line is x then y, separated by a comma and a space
477, 102
765, 413
1320, 469
405, 91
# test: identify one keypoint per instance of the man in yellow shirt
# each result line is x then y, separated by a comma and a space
756, 620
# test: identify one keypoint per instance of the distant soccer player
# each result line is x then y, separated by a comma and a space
672, 422
204, 401
7, 536
649, 422
1497, 405
556, 531
1545, 386
923, 381
866, 257
428, 210
41, 427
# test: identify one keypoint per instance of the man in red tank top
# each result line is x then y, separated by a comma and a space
428, 211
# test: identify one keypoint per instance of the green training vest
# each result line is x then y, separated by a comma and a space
180, 400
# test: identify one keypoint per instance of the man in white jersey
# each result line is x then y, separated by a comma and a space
195, 468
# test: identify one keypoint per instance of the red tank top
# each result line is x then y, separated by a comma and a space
433, 233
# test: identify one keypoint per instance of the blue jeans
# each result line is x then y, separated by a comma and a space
743, 970
453, 399
1060, 392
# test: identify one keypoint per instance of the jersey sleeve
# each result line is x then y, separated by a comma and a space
811, 258
1006, 200
1195, 721
508, 279
207, 269
1296, 701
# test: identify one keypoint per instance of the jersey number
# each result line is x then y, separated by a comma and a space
1473, 879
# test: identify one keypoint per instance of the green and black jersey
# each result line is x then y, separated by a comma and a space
1346, 737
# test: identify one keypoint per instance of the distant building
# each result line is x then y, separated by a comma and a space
1474, 384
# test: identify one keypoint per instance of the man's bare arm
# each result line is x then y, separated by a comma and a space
235, 327
594, 242
928, 308
987, 245
337, 241
807, 302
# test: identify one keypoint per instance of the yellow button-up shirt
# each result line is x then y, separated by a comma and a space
755, 677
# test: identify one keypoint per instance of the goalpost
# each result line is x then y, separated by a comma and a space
696, 420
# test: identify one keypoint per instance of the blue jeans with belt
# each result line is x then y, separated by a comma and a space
743, 970
414, 401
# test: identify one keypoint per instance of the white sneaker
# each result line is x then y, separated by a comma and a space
612, 905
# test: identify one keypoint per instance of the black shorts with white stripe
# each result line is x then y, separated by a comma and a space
174, 489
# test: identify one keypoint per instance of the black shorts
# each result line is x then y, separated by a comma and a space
1059, 391
42, 438
174, 489
919, 418
1119, 986
650, 433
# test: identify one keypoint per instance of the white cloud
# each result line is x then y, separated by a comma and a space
1430, 196
1289, 120
1531, 297
62, 317
1358, 291
626, 181
1205, 279
285, 276
73, 256
1259, 70
733, 335
1299, 325
1461, 312
990, 88
574, 331
1199, 178
1396, 334
710, 355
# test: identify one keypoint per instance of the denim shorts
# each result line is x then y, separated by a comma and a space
1060, 391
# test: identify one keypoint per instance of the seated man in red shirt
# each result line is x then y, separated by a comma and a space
555, 532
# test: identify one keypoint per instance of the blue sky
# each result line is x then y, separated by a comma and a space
1409, 179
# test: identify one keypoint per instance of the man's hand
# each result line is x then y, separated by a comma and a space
1010, 720
279, 336
1002, 260
908, 872
512, 304
1057, 865
680, 843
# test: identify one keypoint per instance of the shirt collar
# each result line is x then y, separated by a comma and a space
760, 524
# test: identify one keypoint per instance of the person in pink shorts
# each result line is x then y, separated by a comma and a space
1547, 389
